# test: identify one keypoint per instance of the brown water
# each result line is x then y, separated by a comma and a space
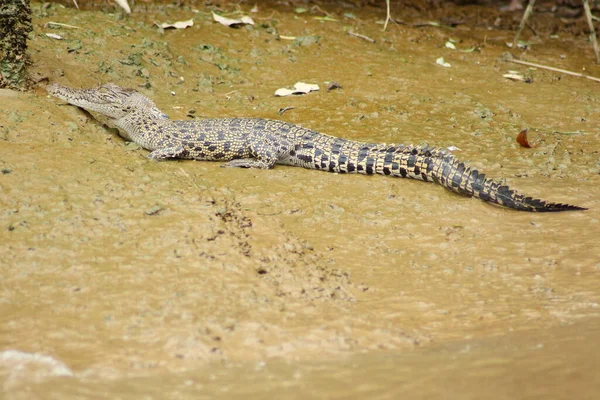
124, 278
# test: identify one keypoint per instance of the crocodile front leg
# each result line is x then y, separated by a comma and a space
249, 163
177, 151
264, 155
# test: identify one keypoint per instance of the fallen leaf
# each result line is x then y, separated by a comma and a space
450, 45
245, 20
522, 138
440, 61
177, 25
299, 88
54, 36
514, 76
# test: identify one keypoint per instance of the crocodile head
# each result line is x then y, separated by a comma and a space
109, 101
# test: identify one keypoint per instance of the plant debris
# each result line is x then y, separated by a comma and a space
284, 109
440, 61
299, 88
234, 23
176, 25
358, 35
522, 139
333, 85
124, 6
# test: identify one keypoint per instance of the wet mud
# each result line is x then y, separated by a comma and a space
124, 277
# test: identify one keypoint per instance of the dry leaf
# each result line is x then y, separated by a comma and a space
177, 25
299, 88
54, 36
440, 61
522, 138
232, 22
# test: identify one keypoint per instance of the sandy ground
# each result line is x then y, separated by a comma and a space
123, 277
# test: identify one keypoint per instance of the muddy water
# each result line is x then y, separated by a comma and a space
125, 277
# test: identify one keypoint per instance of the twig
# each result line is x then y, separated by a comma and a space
61, 25
560, 70
358, 35
588, 15
387, 15
284, 109
528, 12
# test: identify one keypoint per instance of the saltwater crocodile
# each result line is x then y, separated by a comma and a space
262, 143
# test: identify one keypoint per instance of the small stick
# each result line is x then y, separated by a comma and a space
387, 15
562, 71
358, 35
528, 12
588, 15
282, 110
59, 24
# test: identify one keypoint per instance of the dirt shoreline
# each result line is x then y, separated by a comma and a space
116, 267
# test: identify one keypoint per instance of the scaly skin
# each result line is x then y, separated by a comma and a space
262, 143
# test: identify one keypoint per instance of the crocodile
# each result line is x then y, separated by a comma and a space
263, 143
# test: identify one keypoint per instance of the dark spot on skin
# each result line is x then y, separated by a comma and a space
219, 155
212, 148
370, 164
360, 168
351, 167
403, 172
335, 148
305, 158
292, 153
386, 171
430, 167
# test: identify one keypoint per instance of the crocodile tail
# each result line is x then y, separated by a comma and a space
456, 176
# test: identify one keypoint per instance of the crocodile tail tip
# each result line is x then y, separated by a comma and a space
537, 205
513, 199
